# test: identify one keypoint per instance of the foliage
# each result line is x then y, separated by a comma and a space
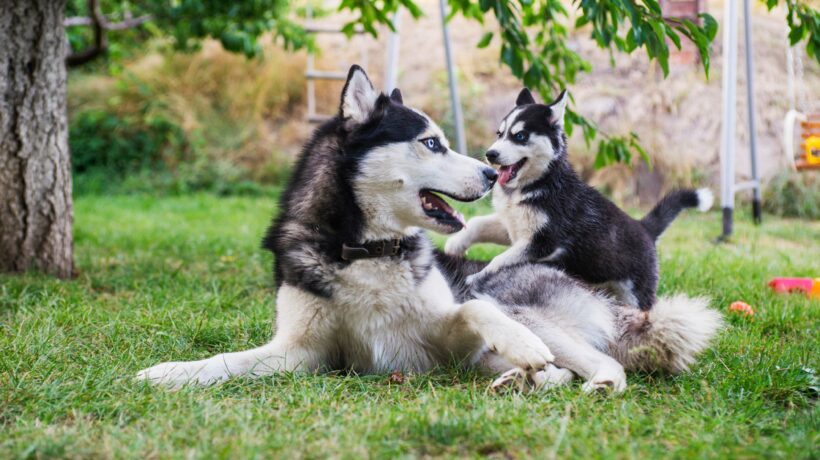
794, 194
211, 117
238, 26
804, 24
114, 146
184, 278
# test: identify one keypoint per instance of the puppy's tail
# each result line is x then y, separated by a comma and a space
667, 337
672, 204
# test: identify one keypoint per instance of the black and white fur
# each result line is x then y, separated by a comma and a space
547, 214
368, 175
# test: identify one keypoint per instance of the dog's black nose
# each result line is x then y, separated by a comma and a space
490, 174
492, 156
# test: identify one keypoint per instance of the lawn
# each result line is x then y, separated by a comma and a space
184, 277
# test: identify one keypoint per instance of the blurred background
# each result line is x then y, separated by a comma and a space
148, 117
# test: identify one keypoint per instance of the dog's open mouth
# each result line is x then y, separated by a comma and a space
436, 208
508, 172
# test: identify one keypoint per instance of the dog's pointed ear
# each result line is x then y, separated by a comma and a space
524, 98
558, 108
395, 96
358, 96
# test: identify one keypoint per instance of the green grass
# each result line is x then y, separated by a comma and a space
184, 278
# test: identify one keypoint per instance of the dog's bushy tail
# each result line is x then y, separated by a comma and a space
667, 337
672, 204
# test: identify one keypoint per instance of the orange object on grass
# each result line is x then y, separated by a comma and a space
810, 287
742, 307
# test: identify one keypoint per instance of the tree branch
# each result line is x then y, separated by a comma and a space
127, 23
100, 25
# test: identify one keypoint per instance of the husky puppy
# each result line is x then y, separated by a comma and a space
359, 286
547, 214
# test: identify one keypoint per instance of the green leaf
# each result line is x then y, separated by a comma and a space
485, 40
710, 25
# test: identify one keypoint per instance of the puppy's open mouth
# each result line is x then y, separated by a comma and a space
508, 172
442, 213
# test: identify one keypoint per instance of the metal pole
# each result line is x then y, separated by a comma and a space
727, 145
311, 85
391, 73
750, 103
455, 103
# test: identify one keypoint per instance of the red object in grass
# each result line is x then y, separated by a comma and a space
784, 285
741, 307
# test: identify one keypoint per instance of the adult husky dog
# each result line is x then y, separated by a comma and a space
360, 287
548, 215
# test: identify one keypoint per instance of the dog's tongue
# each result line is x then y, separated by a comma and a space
504, 174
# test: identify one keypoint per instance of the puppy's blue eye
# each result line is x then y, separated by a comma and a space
433, 144
520, 136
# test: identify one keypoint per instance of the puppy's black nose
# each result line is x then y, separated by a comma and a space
490, 174
492, 156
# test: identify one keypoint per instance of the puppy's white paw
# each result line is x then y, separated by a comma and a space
521, 347
475, 276
457, 244
610, 377
552, 377
176, 374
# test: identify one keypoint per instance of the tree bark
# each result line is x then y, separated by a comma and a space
35, 173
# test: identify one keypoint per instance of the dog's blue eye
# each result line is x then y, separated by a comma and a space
520, 136
433, 144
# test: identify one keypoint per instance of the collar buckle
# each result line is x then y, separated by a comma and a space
373, 249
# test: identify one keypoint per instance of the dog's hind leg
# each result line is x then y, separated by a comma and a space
299, 345
599, 370
481, 229
478, 324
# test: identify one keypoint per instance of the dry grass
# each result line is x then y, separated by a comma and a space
233, 109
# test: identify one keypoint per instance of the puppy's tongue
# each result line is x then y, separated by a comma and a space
505, 174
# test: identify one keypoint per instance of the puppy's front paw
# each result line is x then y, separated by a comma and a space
477, 276
177, 374
610, 377
457, 244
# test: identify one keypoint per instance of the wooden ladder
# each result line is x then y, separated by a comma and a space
312, 75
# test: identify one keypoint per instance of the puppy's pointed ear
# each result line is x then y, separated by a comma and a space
558, 108
395, 96
358, 96
524, 98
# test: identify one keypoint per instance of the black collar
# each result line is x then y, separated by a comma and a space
373, 249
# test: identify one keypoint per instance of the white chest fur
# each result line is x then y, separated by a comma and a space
520, 220
385, 317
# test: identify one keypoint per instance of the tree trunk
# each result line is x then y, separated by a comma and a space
35, 173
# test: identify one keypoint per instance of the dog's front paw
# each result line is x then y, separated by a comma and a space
610, 377
522, 348
457, 244
176, 374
